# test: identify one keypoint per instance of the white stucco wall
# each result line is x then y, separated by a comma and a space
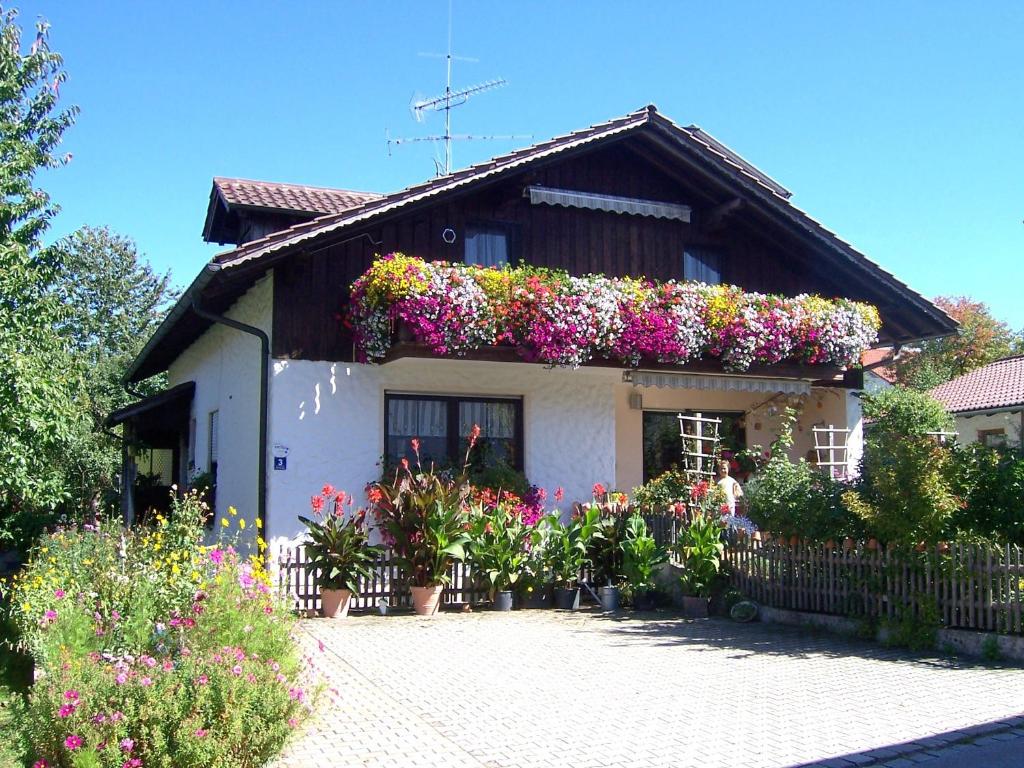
225, 365
330, 418
967, 427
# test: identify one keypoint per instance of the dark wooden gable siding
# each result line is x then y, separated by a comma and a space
310, 288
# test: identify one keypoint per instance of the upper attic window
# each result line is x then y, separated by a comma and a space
702, 265
487, 245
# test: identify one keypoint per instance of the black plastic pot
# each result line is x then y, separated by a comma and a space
503, 600
567, 599
539, 597
643, 600
609, 597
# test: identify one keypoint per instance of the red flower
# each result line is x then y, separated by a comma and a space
474, 435
318, 503
724, 509
599, 490
339, 499
405, 464
415, 445
374, 494
559, 494
699, 491
327, 491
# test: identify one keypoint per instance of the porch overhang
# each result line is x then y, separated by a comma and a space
157, 420
716, 383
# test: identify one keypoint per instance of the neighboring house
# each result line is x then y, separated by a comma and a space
987, 403
264, 392
878, 373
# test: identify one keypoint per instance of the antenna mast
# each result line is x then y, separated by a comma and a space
446, 103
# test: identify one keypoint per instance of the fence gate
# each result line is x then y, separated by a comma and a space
700, 443
830, 450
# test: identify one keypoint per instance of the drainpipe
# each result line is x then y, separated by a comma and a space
261, 497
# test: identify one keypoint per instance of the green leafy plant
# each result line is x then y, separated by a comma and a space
423, 515
700, 547
663, 491
991, 483
605, 551
641, 554
569, 545
338, 545
499, 545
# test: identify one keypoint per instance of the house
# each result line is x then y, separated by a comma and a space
987, 403
267, 396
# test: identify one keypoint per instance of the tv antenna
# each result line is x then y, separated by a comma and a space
421, 107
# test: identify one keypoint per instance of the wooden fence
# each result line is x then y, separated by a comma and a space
968, 586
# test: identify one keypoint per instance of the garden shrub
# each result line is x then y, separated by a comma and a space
797, 499
991, 483
157, 650
904, 493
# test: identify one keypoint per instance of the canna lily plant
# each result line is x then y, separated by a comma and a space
569, 544
338, 544
500, 545
423, 516
641, 555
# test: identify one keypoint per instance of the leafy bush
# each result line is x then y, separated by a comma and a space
904, 493
663, 491
569, 544
991, 483
499, 545
338, 545
795, 498
642, 555
157, 650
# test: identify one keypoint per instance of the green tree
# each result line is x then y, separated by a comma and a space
980, 340
113, 301
38, 378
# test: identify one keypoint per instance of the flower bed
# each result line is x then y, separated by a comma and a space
561, 320
154, 649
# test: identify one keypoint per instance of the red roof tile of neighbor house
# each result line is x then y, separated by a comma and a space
290, 197
996, 385
874, 360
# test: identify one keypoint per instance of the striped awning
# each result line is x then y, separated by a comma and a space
669, 380
570, 198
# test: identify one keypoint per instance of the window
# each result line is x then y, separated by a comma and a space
662, 444
212, 445
992, 438
443, 424
702, 265
488, 245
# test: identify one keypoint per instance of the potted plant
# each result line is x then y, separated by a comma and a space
569, 545
641, 556
535, 586
498, 548
338, 549
423, 518
605, 554
700, 547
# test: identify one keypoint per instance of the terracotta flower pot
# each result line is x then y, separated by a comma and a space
426, 600
335, 603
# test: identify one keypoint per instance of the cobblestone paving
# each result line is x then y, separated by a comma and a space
545, 688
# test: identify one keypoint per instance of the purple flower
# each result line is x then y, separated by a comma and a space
73, 742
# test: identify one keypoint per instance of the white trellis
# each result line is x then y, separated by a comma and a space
830, 448
700, 437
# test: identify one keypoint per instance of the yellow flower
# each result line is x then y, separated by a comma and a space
25, 607
259, 523
224, 522
232, 511
241, 523
175, 569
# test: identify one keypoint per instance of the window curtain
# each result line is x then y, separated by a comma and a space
486, 247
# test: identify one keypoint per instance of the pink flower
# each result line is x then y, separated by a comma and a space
145, 682
281, 678
99, 717
149, 661
121, 678
41, 763
251, 677
599, 490
236, 670
293, 723
117, 716
559, 494
66, 710
71, 695
202, 680
274, 666
317, 502
135, 762
216, 556
127, 745
327, 491
58, 593
168, 665
295, 693
73, 742
201, 733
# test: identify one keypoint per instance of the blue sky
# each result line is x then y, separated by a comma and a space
898, 125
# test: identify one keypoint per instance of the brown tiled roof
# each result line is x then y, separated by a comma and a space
875, 360
996, 385
289, 197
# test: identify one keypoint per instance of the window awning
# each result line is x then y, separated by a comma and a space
670, 380
570, 198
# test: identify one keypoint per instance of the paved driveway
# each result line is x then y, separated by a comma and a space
545, 688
